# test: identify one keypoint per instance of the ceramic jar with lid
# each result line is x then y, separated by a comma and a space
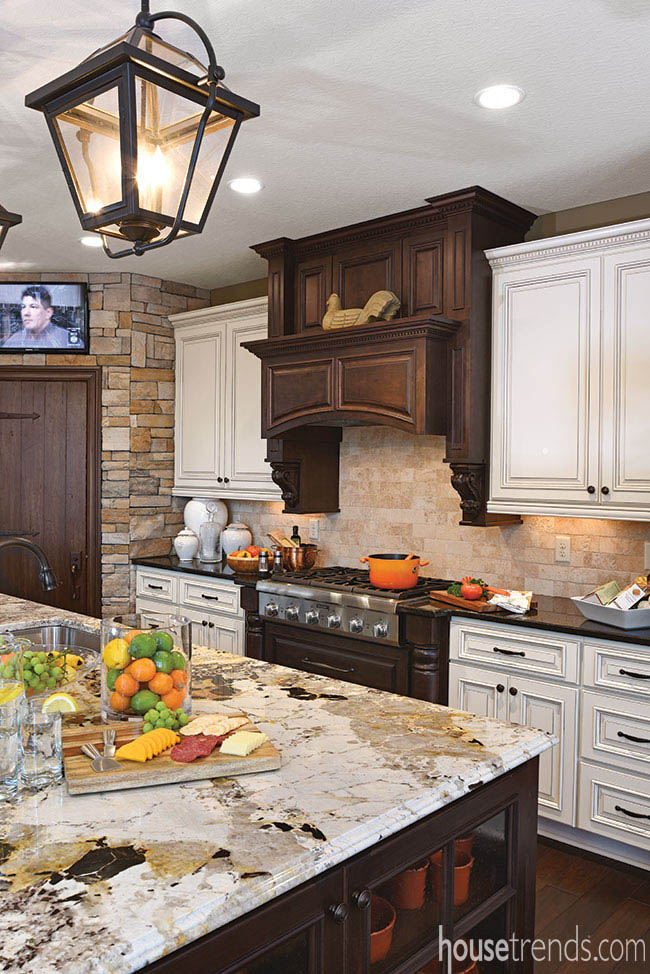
235, 537
186, 544
195, 513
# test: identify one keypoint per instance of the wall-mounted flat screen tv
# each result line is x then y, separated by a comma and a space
43, 317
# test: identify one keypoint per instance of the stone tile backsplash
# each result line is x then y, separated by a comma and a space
395, 495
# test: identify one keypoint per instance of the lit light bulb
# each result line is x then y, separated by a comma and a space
93, 206
153, 171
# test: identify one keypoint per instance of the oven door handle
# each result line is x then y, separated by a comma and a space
327, 666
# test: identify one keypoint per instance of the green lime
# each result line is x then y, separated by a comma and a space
178, 661
111, 677
163, 661
163, 641
144, 700
144, 644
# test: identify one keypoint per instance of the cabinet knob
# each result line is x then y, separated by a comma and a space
513, 691
604, 490
361, 899
226, 480
204, 622
219, 480
211, 625
500, 688
591, 489
339, 913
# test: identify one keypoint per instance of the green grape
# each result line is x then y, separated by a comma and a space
51, 682
57, 672
146, 727
161, 706
41, 657
168, 722
175, 723
151, 715
33, 682
182, 718
39, 668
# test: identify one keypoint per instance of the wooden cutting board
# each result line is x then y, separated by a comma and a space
161, 770
478, 605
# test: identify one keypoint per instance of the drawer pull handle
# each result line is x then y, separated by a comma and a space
211, 598
636, 740
619, 808
635, 676
327, 666
159, 587
508, 652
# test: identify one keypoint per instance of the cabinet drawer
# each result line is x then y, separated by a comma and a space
222, 597
154, 612
541, 653
615, 804
156, 585
381, 667
615, 667
616, 730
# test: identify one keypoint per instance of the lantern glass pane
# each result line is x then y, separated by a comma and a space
166, 130
173, 55
90, 137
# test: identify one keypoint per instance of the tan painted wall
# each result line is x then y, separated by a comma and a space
395, 495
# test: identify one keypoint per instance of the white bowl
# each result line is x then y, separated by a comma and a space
613, 616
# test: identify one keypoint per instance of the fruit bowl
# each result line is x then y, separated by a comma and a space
145, 662
47, 670
245, 566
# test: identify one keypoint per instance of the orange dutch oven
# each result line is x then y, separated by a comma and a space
394, 571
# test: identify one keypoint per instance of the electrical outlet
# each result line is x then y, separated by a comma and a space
562, 547
314, 529
646, 552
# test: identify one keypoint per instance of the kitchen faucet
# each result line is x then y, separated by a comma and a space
46, 575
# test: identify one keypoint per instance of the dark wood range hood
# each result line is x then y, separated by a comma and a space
425, 372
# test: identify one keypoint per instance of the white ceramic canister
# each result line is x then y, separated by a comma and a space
186, 544
196, 512
235, 537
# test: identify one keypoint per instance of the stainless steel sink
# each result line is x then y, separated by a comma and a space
55, 637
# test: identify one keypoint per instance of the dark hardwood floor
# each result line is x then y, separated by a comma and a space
605, 902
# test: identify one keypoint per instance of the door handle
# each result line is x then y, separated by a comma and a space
635, 740
635, 676
508, 652
327, 666
76, 567
619, 808
212, 598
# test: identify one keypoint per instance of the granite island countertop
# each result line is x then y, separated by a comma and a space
110, 882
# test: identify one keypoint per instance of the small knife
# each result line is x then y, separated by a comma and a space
98, 762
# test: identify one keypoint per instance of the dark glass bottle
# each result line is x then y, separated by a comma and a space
295, 537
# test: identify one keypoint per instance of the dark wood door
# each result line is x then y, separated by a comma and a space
342, 658
49, 459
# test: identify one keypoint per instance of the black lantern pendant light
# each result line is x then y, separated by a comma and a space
7, 221
143, 132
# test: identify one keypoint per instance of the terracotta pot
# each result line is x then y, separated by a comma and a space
382, 922
463, 863
459, 967
408, 888
465, 844
394, 571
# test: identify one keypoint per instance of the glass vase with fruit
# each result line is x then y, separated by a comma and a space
146, 669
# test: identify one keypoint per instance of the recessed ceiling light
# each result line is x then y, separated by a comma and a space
245, 184
499, 96
91, 241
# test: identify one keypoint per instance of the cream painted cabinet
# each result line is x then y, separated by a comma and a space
218, 448
570, 360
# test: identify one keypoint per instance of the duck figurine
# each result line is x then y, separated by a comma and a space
381, 306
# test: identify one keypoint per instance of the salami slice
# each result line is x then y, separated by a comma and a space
197, 746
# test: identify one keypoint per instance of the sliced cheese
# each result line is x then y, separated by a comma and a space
243, 743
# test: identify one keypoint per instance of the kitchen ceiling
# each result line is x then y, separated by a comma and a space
367, 107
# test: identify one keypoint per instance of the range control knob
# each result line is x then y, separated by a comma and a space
356, 624
311, 617
292, 613
271, 609
333, 621
380, 630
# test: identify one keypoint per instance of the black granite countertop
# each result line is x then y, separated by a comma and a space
170, 563
555, 613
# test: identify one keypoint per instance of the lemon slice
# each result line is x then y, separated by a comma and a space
7, 694
61, 703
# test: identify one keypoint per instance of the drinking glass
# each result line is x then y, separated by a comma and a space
42, 763
12, 699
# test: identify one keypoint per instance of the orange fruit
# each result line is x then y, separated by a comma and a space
179, 679
126, 685
119, 702
142, 669
161, 683
174, 698
128, 636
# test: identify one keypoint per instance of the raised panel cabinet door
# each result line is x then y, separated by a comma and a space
553, 709
422, 274
313, 288
245, 467
478, 691
199, 406
357, 275
625, 472
545, 381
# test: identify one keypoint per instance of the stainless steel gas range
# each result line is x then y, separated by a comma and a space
340, 600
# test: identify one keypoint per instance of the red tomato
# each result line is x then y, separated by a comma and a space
471, 591
253, 550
